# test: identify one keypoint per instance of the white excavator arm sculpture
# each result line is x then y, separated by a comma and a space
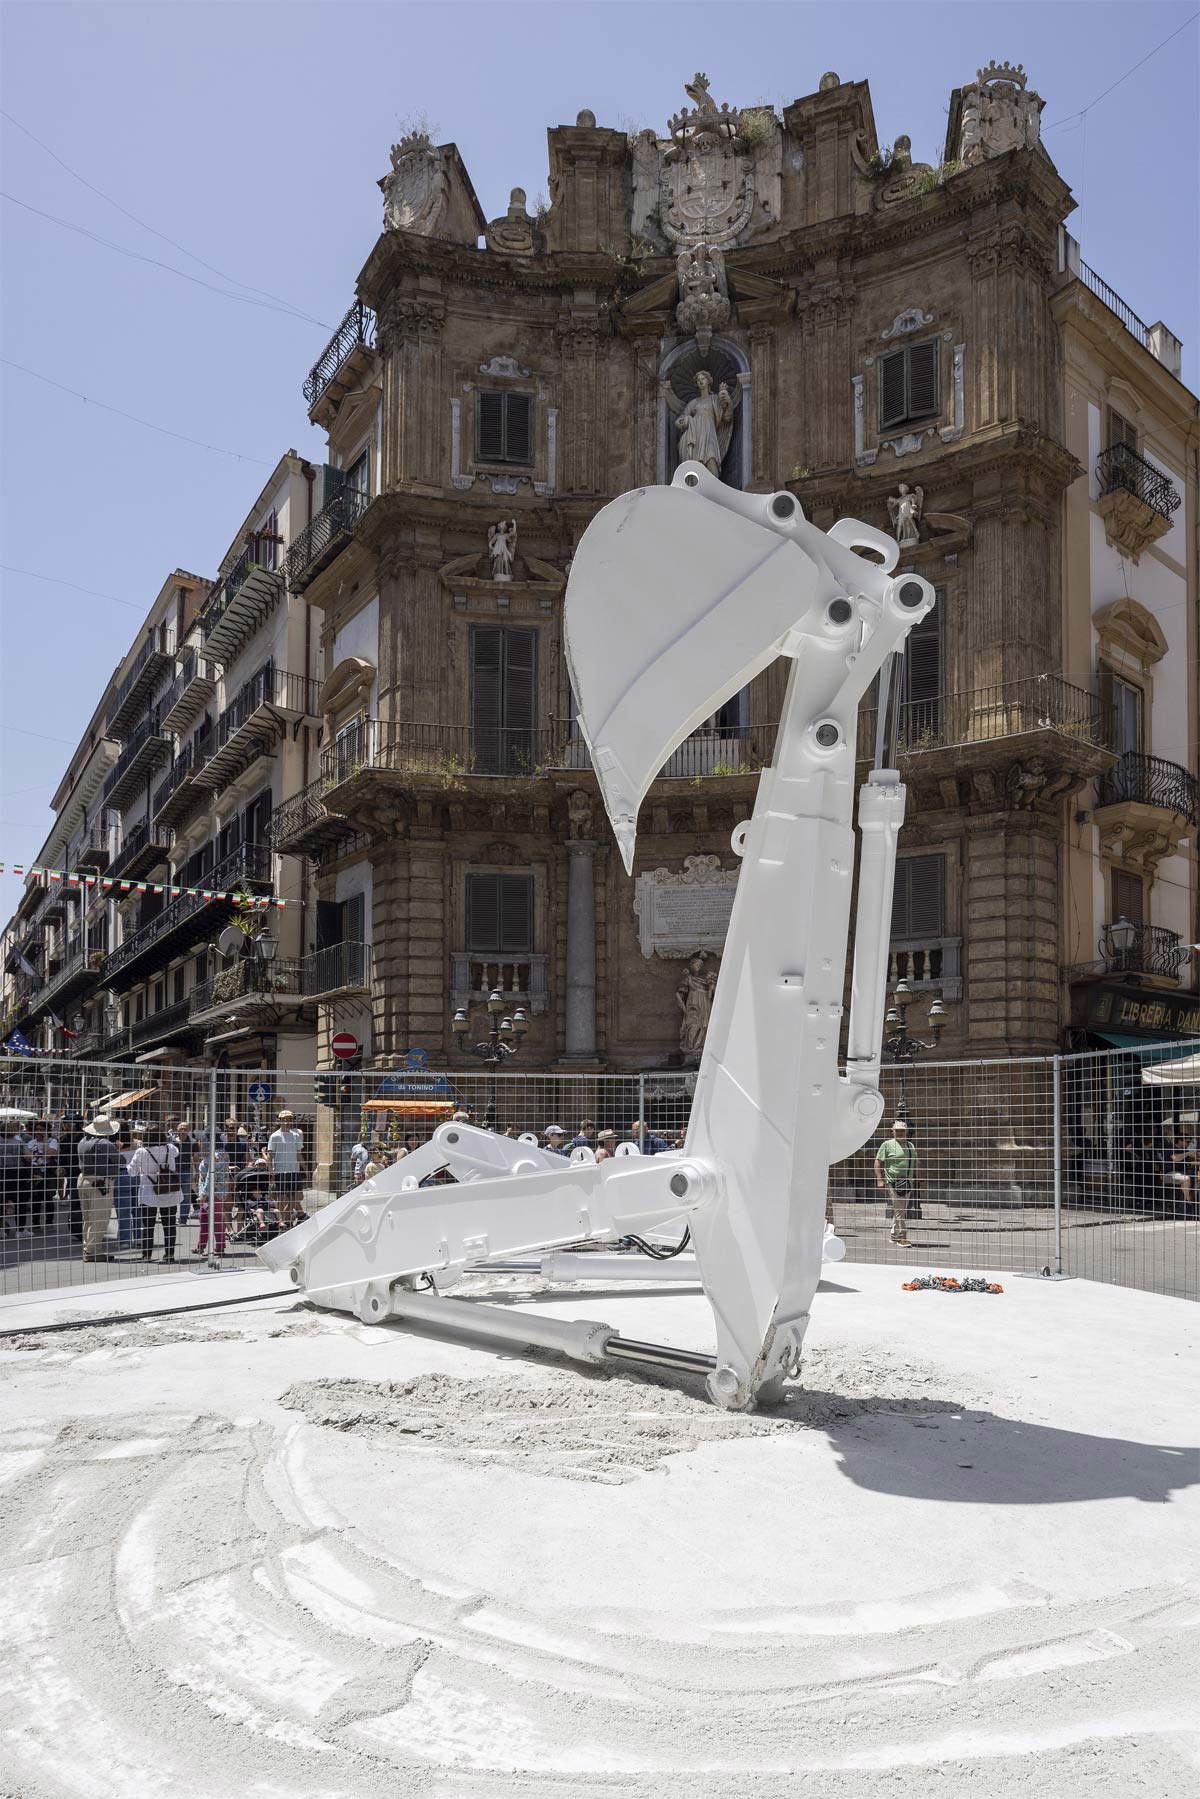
677, 597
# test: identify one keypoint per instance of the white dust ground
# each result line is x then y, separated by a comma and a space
268, 1553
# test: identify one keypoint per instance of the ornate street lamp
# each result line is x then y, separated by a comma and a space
899, 1041
504, 1039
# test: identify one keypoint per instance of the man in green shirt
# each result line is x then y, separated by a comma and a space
896, 1177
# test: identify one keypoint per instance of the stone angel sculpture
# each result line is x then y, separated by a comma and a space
705, 424
502, 545
905, 508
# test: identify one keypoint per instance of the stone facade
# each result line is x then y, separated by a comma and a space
871, 322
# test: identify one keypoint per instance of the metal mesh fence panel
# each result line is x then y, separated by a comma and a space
1085, 1165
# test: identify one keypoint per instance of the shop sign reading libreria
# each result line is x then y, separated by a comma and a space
1106, 1007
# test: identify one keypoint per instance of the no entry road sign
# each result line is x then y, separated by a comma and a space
344, 1045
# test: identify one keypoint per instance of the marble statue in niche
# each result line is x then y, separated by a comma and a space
502, 547
905, 508
693, 996
705, 424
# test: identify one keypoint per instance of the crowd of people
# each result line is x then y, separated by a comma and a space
372, 1152
104, 1185
69, 1178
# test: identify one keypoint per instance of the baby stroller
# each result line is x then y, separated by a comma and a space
253, 1219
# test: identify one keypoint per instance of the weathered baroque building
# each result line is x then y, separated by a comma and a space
889, 341
368, 712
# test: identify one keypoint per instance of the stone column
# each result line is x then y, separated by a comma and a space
581, 948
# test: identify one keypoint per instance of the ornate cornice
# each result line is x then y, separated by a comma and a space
403, 317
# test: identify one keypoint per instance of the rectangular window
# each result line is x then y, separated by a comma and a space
1120, 431
503, 427
265, 543
178, 984
1128, 895
500, 914
139, 1008
920, 718
503, 699
1121, 703
341, 921
908, 385
919, 899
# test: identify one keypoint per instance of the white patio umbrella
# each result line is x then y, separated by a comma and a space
17, 1115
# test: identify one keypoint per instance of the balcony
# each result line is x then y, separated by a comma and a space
180, 795
304, 825
341, 968
1145, 949
142, 850
1153, 782
248, 986
68, 980
159, 1027
1044, 706
143, 751
342, 362
189, 694
1137, 501
318, 544
238, 605
190, 918
521, 979
927, 964
152, 662
253, 721
92, 850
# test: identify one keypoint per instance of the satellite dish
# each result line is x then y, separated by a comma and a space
231, 940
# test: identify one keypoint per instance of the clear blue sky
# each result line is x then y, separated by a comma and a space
254, 134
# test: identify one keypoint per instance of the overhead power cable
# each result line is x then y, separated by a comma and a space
196, 443
288, 312
1084, 110
57, 581
152, 229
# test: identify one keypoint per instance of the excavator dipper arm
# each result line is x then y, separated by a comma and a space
677, 597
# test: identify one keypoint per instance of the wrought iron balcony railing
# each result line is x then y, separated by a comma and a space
241, 600
1142, 949
358, 327
432, 749
987, 714
187, 694
1128, 317
1121, 469
250, 863
144, 748
141, 849
149, 665
249, 979
317, 543
1150, 781
253, 719
340, 966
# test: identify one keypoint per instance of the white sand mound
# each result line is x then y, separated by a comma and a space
272, 1553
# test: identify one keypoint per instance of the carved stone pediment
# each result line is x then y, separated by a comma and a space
1125, 624
464, 574
1129, 524
516, 234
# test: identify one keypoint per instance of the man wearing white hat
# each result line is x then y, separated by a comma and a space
100, 1162
556, 1139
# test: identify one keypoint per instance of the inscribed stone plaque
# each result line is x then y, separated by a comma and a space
681, 912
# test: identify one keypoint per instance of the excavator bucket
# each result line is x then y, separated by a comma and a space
653, 643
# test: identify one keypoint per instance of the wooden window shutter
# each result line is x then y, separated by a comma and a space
335, 478
518, 434
354, 917
1120, 431
924, 656
922, 380
891, 388
516, 914
483, 913
490, 427
918, 903
1128, 896
487, 644
520, 698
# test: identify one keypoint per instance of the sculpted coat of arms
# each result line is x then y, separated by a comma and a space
417, 188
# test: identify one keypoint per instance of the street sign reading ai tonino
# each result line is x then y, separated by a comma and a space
344, 1045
